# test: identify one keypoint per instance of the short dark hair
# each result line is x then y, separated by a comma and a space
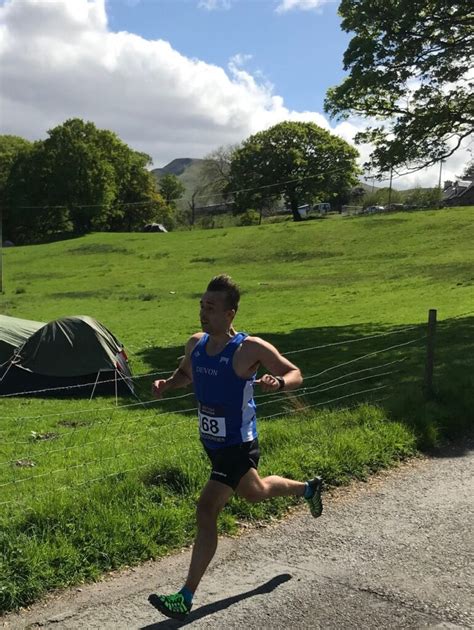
225, 284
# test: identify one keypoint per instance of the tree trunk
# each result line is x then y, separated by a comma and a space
192, 207
294, 210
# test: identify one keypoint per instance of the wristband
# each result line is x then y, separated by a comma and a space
281, 382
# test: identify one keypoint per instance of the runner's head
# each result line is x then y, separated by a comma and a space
219, 305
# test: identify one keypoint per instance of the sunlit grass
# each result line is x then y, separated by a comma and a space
86, 486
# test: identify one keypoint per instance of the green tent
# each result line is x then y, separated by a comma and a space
64, 353
13, 334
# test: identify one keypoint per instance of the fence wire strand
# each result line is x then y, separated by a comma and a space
154, 401
304, 391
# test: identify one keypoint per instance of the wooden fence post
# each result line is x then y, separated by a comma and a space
429, 365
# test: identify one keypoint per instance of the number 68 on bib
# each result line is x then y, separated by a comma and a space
211, 426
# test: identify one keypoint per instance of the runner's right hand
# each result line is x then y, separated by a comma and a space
158, 388
268, 383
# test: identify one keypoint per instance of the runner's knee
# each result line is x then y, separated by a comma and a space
207, 511
254, 493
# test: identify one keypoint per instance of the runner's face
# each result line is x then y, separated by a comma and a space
215, 317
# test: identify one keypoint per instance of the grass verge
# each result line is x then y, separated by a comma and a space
69, 538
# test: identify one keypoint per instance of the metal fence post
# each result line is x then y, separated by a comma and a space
428, 389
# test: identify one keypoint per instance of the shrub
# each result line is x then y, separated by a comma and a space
249, 217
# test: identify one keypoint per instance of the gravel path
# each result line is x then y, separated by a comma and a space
395, 552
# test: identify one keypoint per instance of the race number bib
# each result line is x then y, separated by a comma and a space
211, 426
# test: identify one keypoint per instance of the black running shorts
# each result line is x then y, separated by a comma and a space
229, 464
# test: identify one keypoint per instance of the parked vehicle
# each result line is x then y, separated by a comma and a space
322, 207
303, 210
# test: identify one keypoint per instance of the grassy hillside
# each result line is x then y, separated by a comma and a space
357, 289
380, 270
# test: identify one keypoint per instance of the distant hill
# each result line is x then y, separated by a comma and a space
367, 187
187, 170
404, 192
176, 167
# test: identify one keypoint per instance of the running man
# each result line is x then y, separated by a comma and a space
222, 365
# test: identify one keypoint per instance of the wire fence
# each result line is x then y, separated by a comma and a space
153, 401
110, 434
163, 372
277, 397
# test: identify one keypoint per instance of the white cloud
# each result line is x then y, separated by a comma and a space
239, 60
156, 99
301, 5
213, 5
60, 60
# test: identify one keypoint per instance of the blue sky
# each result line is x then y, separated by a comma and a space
299, 52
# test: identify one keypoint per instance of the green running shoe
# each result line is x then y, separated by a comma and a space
315, 502
173, 606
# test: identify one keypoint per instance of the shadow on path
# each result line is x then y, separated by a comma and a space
222, 604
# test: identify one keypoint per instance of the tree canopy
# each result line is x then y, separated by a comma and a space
299, 161
10, 148
408, 64
80, 178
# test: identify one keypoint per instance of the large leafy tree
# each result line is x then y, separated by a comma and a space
29, 217
81, 171
10, 148
299, 161
81, 175
408, 65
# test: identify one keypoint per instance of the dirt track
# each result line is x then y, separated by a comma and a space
393, 553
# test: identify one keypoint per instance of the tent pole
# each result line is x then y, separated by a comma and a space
7, 370
128, 380
124, 379
95, 385
10, 360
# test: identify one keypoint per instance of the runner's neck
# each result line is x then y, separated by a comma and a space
216, 343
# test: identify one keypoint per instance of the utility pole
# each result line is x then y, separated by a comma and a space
1, 250
440, 171
390, 189
440, 190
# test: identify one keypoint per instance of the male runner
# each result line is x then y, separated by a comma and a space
222, 364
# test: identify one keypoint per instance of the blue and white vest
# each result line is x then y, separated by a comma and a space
226, 405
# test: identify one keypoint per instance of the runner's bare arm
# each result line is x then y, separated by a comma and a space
182, 376
277, 365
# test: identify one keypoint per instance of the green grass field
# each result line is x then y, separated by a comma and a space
116, 485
